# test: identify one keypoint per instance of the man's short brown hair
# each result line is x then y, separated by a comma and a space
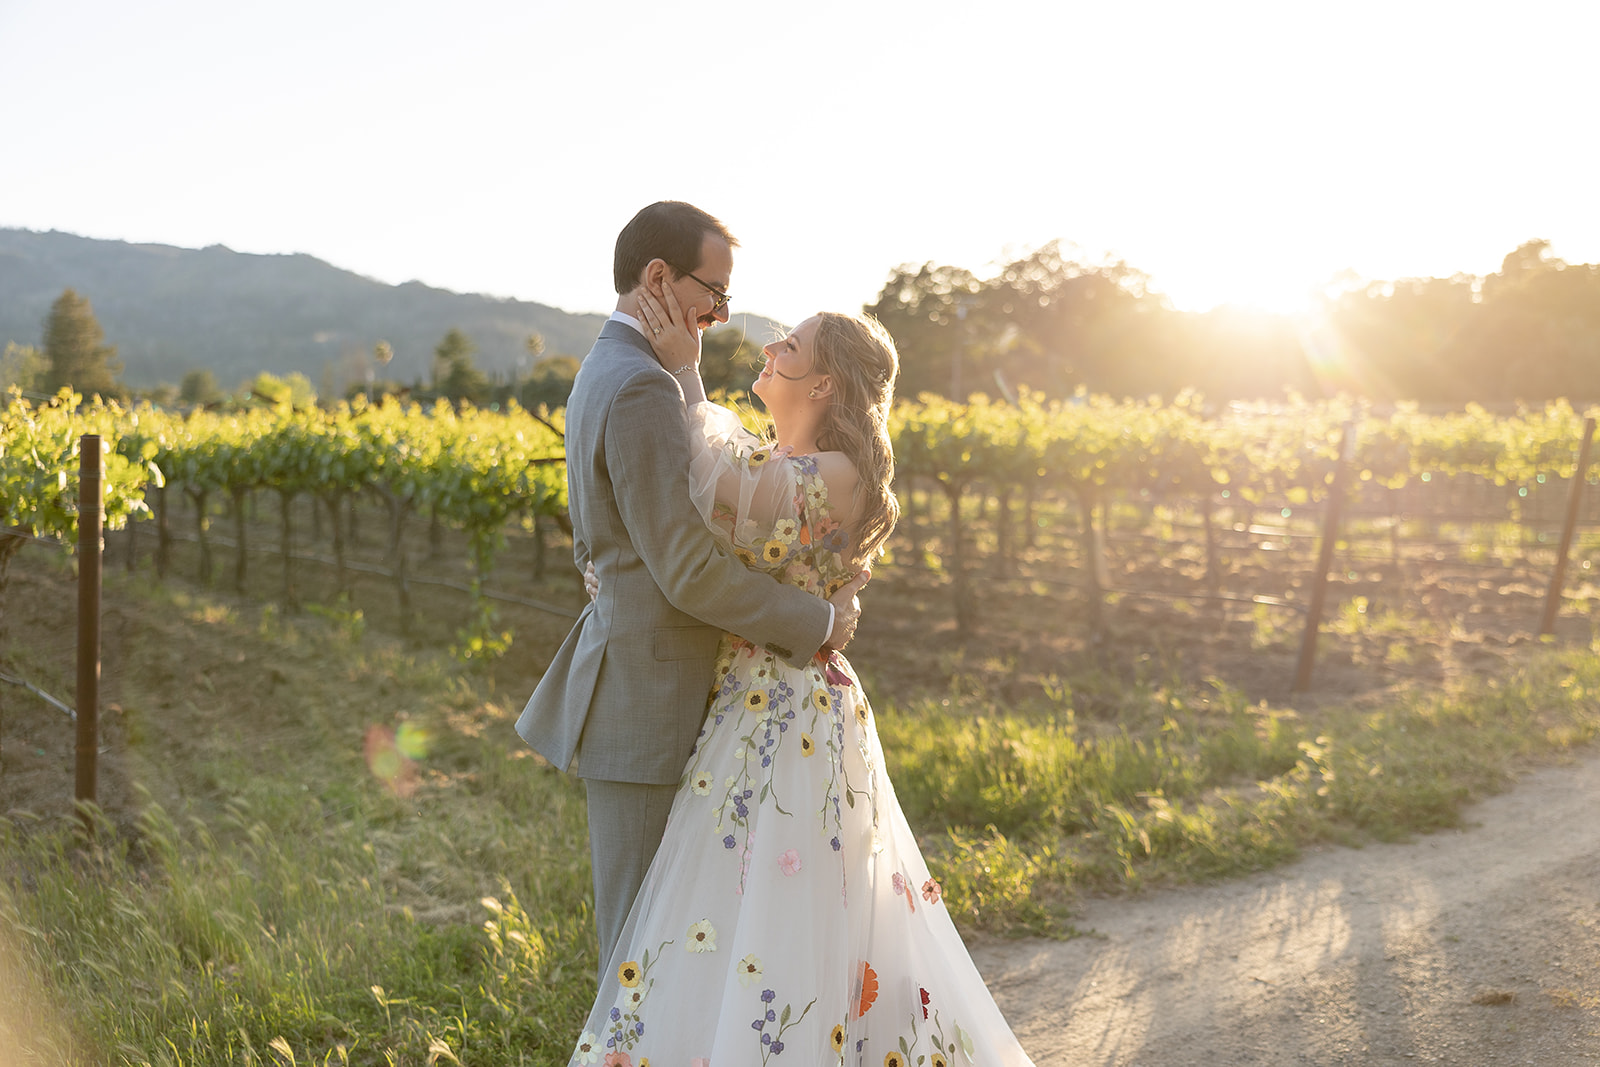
669, 230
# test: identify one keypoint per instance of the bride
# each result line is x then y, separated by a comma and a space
788, 916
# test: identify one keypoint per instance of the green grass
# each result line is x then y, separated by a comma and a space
365, 866
1020, 809
283, 903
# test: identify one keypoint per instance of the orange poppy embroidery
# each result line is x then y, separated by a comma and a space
866, 989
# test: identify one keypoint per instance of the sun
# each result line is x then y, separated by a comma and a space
1201, 284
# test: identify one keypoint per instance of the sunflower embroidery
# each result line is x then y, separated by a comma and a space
807, 745
628, 974
819, 698
836, 1039
747, 557
894, 1059
775, 551
758, 458
756, 699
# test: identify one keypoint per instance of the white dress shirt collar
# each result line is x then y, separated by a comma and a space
627, 319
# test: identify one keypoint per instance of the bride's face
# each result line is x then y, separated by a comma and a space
789, 373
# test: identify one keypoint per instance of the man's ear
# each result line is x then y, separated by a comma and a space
655, 275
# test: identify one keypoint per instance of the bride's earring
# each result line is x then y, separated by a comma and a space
812, 394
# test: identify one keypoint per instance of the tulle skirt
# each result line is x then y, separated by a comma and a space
788, 917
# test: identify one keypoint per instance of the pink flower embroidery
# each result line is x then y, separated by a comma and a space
700, 1061
901, 889
616, 1059
789, 863
931, 891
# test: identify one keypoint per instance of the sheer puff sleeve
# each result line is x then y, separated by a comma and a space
740, 488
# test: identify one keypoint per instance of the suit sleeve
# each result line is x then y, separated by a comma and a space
647, 452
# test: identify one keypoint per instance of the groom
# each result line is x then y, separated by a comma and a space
622, 702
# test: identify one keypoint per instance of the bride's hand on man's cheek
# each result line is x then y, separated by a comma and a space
674, 335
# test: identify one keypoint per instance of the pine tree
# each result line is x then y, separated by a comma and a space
455, 375
75, 346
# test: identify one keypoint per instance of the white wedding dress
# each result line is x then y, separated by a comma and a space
788, 917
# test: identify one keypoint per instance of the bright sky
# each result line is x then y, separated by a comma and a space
1236, 152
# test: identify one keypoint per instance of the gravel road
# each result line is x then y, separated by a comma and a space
1474, 946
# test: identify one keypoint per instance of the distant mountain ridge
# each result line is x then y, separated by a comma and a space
172, 310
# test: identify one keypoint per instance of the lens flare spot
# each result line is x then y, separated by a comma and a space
413, 740
387, 762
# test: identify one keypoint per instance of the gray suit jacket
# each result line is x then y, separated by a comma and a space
630, 681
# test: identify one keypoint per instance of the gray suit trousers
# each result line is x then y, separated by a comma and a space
626, 824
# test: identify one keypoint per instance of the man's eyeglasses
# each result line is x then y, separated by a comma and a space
721, 300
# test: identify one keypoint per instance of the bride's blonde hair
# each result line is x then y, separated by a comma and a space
858, 353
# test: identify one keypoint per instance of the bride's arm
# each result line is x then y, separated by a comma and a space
729, 466
675, 339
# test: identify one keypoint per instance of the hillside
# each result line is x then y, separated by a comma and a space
170, 310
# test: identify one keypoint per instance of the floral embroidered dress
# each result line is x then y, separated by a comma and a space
788, 917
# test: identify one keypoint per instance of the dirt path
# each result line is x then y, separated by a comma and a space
1475, 946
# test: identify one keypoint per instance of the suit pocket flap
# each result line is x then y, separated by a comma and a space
686, 642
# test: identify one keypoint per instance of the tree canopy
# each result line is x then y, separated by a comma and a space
455, 376
75, 349
1054, 322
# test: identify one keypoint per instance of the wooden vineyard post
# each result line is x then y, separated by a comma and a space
91, 520
1213, 559
1095, 577
163, 532
1552, 600
1319, 583
966, 609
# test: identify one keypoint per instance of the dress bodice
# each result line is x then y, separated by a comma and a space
771, 510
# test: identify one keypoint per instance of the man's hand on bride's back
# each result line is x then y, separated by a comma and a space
846, 611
